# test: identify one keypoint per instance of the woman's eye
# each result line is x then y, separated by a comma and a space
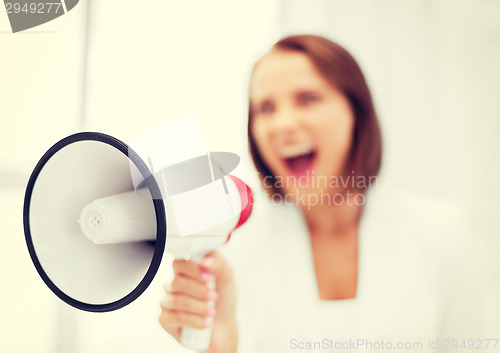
265, 108
306, 98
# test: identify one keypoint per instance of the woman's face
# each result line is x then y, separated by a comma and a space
302, 125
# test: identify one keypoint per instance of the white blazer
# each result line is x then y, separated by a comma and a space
418, 281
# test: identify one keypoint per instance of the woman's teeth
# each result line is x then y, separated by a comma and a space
296, 151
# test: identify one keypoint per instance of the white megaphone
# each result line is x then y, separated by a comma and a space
96, 219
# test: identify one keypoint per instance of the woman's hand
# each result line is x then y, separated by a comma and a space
188, 297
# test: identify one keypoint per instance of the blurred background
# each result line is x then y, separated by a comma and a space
123, 67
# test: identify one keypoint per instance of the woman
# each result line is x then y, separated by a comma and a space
314, 279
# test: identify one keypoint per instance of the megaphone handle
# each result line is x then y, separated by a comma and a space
198, 339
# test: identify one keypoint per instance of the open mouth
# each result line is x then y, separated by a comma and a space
298, 159
301, 163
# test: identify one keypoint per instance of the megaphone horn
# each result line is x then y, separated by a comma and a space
75, 171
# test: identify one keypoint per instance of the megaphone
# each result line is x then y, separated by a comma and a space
96, 219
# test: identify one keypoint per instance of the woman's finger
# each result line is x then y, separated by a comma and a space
172, 321
184, 303
192, 287
187, 268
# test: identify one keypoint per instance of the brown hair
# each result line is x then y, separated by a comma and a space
340, 69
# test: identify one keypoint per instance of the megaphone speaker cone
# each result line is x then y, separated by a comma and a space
74, 172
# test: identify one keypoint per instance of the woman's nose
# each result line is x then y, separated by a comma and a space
286, 121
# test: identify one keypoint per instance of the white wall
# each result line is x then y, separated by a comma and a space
153, 61
41, 72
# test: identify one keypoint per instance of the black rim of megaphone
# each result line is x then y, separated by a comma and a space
159, 210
